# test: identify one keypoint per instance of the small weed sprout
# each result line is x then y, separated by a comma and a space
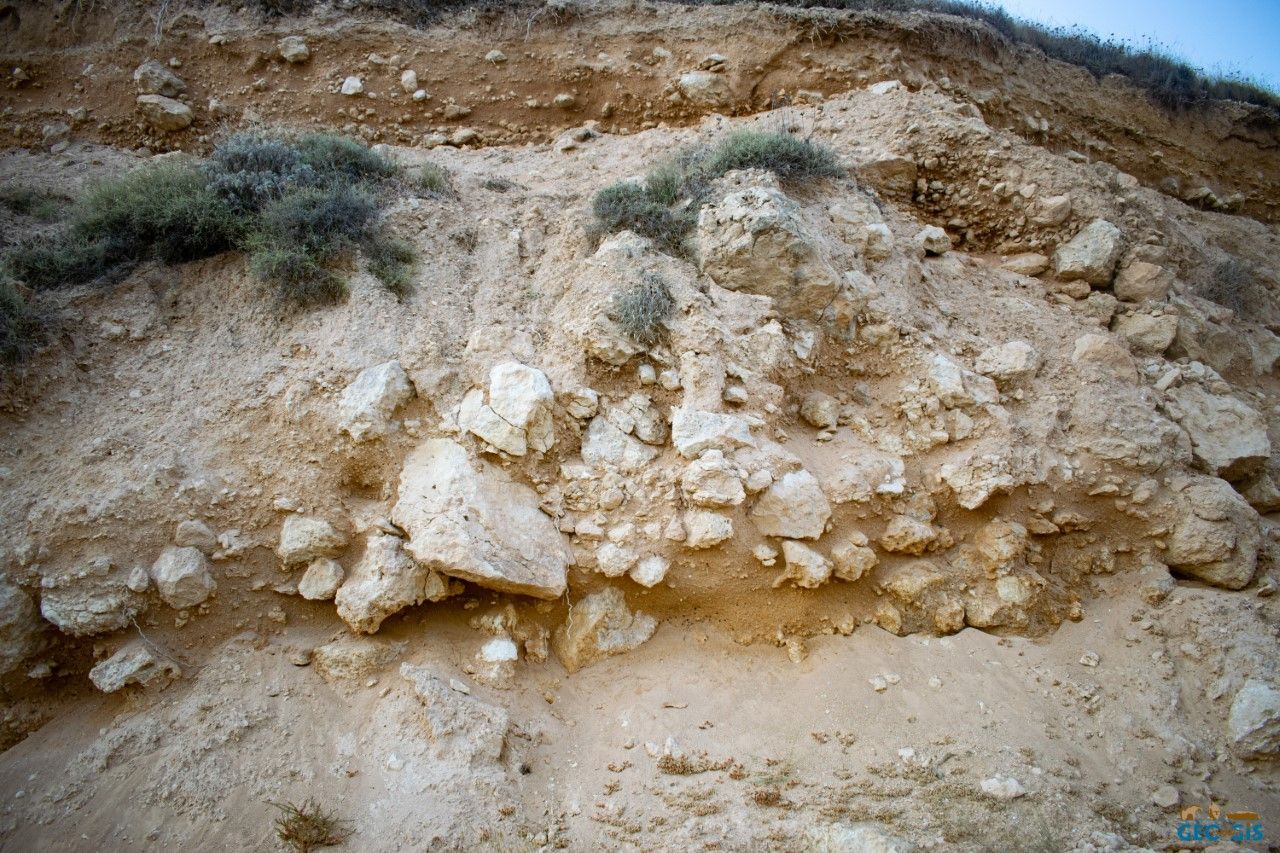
391, 261
308, 826
641, 309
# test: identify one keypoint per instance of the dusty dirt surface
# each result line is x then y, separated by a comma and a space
620, 64
1050, 506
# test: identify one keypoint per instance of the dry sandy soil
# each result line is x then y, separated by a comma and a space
1083, 713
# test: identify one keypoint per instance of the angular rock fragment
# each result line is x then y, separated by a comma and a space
132, 663
384, 582
303, 539
366, 406
598, 626
1091, 255
794, 507
477, 524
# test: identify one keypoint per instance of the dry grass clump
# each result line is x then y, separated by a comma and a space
308, 826
640, 310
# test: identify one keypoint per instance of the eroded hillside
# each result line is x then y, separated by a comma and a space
935, 511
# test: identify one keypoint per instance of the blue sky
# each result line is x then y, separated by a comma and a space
1220, 37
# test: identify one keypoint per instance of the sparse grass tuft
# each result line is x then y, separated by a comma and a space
641, 309
391, 261
630, 207
1231, 286
308, 826
434, 180
39, 204
21, 328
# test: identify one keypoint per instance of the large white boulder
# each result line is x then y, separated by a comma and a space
1254, 723
366, 406
712, 481
165, 114
1091, 255
475, 523
518, 415
385, 581
606, 445
793, 507
182, 577
755, 241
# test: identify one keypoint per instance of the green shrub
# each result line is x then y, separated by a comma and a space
787, 156
296, 276
390, 261
344, 158
47, 263
249, 170
626, 206
21, 328
320, 221
641, 309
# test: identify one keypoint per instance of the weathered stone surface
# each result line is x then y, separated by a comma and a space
892, 175
293, 49
1215, 534
1254, 723
1227, 436
606, 445
614, 560
977, 477
132, 663
349, 658
194, 533
598, 626
154, 78
906, 535
1052, 210
650, 571
1146, 334
805, 567
165, 114
1007, 362
366, 406
1139, 281
706, 88
321, 580
956, 387
462, 728
92, 600
820, 411
385, 581
794, 507
1103, 354
20, 627
855, 838
1027, 263
478, 524
705, 529
853, 557
182, 577
1091, 255
933, 240
711, 481
755, 241
303, 539
693, 431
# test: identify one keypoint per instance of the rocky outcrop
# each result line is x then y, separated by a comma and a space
472, 521
303, 539
793, 507
756, 241
1227, 437
95, 599
1253, 725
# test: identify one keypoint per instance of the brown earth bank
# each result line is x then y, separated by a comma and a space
619, 63
895, 537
